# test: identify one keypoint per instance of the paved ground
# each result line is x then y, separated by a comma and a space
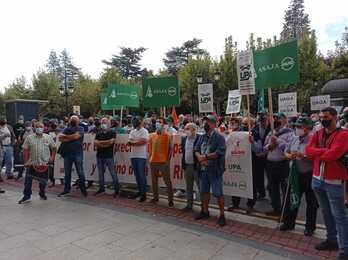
66, 229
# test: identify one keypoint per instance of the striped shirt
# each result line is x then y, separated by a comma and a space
39, 148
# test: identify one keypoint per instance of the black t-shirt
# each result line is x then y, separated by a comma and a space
105, 152
18, 130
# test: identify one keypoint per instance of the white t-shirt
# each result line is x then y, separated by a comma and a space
136, 135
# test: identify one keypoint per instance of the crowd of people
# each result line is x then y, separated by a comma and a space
314, 145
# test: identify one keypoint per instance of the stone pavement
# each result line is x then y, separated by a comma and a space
107, 228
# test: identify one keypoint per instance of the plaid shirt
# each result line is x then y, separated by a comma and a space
39, 148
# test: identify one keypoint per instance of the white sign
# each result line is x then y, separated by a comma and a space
320, 102
246, 73
287, 103
237, 178
76, 110
233, 102
205, 98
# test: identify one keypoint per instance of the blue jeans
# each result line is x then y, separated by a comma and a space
28, 181
77, 160
7, 158
331, 200
138, 165
102, 164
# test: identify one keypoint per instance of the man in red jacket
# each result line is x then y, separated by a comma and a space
326, 147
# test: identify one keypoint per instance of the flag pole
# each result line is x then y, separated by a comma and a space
121, 115
248, 111
270, 109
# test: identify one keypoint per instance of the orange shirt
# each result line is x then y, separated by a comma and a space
159, 145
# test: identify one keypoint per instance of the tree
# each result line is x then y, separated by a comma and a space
68, 72
296, 23
127, 62
178, 57
339, 63
19, 89
109, 76
53, 64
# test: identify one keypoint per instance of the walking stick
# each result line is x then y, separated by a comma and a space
285, 199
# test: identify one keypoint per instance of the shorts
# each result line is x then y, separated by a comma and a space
213, 180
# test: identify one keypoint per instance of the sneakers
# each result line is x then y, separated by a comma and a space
62, 194
221, 221
179, 194
142, 198
327, 246
285, 227
43, 197
202, 215
24, 200
99, 192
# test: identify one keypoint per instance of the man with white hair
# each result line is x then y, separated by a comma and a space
104, 142
189, 162
72, 152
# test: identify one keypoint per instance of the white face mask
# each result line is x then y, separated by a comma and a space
300, 132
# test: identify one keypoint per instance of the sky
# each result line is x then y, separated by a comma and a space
93, 30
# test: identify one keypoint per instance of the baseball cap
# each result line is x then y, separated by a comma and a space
280, 115
304, 121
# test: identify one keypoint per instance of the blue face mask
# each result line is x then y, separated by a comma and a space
159, 127
39, 131
104, 126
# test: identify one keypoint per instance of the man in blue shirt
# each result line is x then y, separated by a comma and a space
210, 152
72, 153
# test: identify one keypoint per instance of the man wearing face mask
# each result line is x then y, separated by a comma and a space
104, 142
39, 151
189, 162
210, 153
304, 169
171, 129
160, 152
277, 167
72, 140
138, 139
326, 148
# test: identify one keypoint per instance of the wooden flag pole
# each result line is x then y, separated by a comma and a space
121, 116
270, 109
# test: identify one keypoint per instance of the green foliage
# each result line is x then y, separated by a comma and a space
19, 89
127, 62
109, 76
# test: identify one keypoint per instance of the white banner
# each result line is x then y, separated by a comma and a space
233, 102
237, 178
246, 73
320, 102
205, 98
287, 103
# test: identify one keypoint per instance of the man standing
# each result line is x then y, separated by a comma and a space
210, 152
326, 148
189, 162
72, 153
138, 140
104, 142
304, 170
7, 140
39, 151
160, 151
277, 166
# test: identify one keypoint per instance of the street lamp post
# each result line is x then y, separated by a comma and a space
66, 89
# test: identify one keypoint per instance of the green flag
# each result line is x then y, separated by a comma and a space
106, 103
261, 101
161, 92
294, 187
123, 95
277, 66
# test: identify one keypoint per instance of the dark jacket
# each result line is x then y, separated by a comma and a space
183, 144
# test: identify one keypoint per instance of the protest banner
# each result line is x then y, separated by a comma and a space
237, 177
233, 102
205, 98
320, 102
123, 95
246, 73
161, 92
287, 103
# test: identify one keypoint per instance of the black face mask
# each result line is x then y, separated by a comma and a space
206, 127
326, 123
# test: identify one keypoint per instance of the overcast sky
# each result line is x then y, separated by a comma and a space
92, 30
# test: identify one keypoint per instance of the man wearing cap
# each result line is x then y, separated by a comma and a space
160, 152
189, 162
304, 170
325, 148
138, 139
277, 166
210, 153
